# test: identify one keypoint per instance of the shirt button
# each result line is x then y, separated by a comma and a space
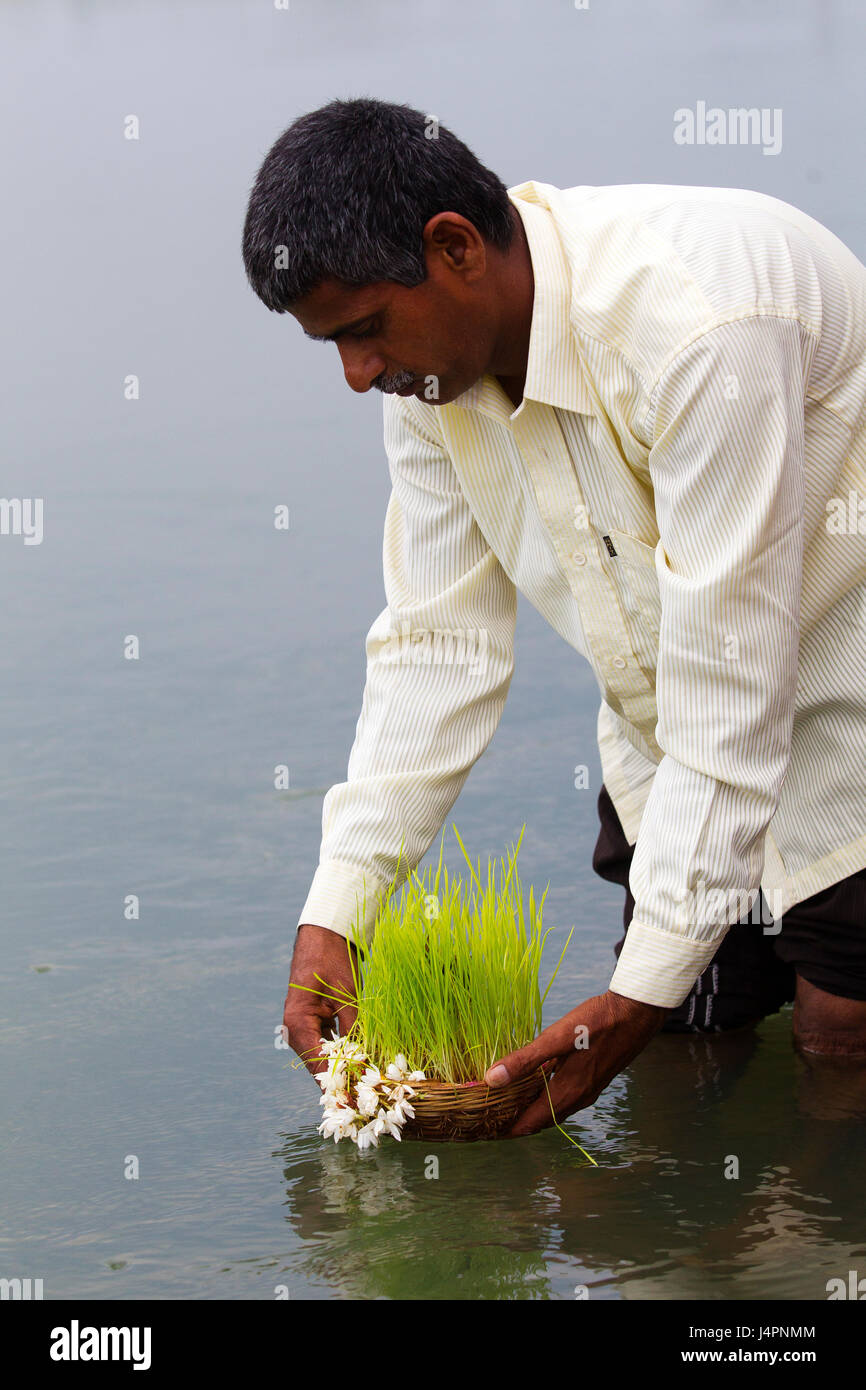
579, 558
619, 662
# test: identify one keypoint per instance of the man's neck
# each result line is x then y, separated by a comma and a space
516, 291
513, 388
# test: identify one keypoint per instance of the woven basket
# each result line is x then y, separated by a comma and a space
472, 1110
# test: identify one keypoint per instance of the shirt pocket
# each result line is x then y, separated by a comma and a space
633, 570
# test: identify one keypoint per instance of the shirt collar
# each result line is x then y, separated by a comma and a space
555, 374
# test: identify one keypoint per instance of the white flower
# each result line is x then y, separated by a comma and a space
368, 1099
339, 1122
401, 1091
399, 1070
334, 1084
330, 1128
383, 1101
328, 1078
367, 1136
334, 1098
392, 1124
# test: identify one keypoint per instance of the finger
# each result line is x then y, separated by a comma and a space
535, 1118
346, 1017
306, 1039
555, 1041
562, 1096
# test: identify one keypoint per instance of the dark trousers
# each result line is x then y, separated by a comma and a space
753, 974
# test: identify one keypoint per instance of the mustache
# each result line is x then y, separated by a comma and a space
398, 382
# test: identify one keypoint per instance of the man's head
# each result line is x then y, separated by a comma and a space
380, 230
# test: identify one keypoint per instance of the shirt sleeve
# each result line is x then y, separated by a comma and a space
726, 425
440, 658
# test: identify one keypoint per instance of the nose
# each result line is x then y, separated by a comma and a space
361, 366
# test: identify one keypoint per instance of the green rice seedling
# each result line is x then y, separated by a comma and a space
450, 980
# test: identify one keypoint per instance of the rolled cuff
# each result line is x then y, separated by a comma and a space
657, 967
340, 895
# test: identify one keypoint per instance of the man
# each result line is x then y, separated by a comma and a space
645, 408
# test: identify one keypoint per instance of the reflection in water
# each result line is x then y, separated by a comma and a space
371, 1225
665, 1214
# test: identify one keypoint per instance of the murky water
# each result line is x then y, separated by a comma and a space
153, 1037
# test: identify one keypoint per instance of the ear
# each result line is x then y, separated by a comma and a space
455, 243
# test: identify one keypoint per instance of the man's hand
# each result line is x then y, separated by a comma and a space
321, 962
590, 1046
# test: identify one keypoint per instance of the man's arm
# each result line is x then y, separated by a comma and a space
727, 465
440, 658
728, 474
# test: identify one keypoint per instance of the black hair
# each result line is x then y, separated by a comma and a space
346, 192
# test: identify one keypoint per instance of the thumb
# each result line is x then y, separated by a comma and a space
515, 1064
555, 1041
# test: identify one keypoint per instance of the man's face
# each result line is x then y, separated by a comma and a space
432, 341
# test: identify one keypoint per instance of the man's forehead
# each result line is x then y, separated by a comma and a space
334, 307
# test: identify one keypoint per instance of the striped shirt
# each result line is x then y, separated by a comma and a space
682, 495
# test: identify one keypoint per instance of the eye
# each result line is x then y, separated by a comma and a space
366, 332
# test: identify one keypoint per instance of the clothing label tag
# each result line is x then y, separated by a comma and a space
609, 543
